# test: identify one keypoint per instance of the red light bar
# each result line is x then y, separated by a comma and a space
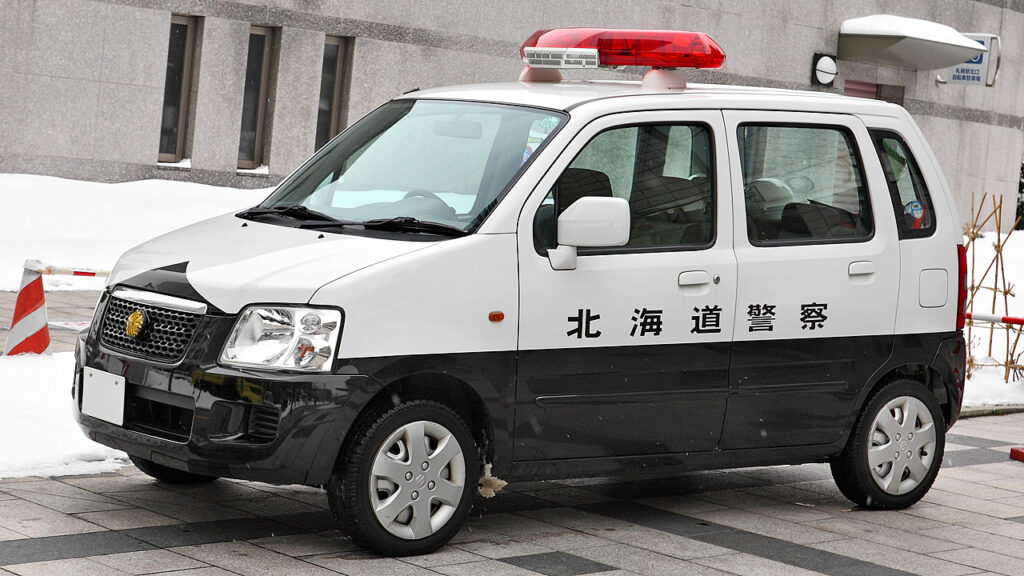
655, 48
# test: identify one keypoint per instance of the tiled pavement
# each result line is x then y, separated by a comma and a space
756, 521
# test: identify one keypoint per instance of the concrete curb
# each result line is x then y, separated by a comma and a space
976, 411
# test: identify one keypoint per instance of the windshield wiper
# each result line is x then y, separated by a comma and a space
410, 224
296, 211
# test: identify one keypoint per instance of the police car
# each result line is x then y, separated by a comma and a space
547, 279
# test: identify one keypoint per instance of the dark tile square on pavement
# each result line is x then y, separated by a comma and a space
973, 457
973, 441
558, 564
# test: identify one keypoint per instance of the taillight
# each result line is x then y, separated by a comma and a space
961, 301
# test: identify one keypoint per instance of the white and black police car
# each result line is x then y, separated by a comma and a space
557, 279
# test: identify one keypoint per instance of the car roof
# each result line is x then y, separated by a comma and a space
567, 96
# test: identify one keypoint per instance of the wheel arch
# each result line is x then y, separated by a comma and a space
911, 370
438, 387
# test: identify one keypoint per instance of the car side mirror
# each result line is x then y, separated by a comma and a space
589, 222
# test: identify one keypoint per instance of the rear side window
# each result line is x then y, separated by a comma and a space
910, 200
803, 185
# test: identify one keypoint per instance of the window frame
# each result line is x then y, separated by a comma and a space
924, 195
712, 183
258, 145
341, 89
186, 85
865, 200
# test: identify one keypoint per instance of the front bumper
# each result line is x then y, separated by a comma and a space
197, 416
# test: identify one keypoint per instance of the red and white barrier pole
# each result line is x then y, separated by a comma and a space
30, 332
998, 319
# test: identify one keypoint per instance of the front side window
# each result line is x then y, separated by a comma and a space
910, 200
663, 170
437, 162
803, 185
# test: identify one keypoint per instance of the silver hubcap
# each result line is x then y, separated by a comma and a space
902, 447
417, 481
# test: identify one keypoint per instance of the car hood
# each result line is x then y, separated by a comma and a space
229, 263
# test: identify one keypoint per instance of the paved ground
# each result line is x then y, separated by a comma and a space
758, 521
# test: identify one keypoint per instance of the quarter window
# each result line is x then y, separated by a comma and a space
663, 170
803, 185
910, 200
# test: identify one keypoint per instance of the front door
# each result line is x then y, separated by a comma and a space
628, 353
818, 267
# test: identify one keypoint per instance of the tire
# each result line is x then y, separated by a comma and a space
895, 450
395, 498
168, 475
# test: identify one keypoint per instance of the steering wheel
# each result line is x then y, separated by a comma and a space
423, 194
430, 195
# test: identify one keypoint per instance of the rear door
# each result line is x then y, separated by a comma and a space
818, 276
628, 354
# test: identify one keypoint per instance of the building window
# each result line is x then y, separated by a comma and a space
334, 82
254, 102
886, 92
176, 89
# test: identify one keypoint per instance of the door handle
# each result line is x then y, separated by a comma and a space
695, 278
862, 268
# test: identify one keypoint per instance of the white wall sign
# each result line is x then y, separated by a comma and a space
977, 71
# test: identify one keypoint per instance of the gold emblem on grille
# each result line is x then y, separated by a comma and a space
135, 323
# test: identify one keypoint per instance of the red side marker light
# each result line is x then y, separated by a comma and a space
1017, 454
496, 316
654, 48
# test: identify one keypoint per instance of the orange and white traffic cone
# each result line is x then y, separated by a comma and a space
30, 334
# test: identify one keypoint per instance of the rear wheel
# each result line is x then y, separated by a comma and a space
896, 448
168, 475
406, 483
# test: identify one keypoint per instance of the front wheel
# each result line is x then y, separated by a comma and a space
406, 483
896, 448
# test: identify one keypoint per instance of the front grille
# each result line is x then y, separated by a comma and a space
159, 413
165, 339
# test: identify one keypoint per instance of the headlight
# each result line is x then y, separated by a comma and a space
284, 338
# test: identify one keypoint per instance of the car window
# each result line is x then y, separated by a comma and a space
911, 202
802, 185
430, 160
663, 170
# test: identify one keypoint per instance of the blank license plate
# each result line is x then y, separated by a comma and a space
103, 395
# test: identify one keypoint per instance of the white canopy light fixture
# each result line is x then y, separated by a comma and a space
904, 43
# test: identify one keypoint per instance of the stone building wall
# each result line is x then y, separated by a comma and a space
81, 81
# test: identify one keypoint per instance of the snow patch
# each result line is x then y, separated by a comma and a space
90, 224
41, 437
489, 485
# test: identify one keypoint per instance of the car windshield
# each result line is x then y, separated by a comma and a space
420, 162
